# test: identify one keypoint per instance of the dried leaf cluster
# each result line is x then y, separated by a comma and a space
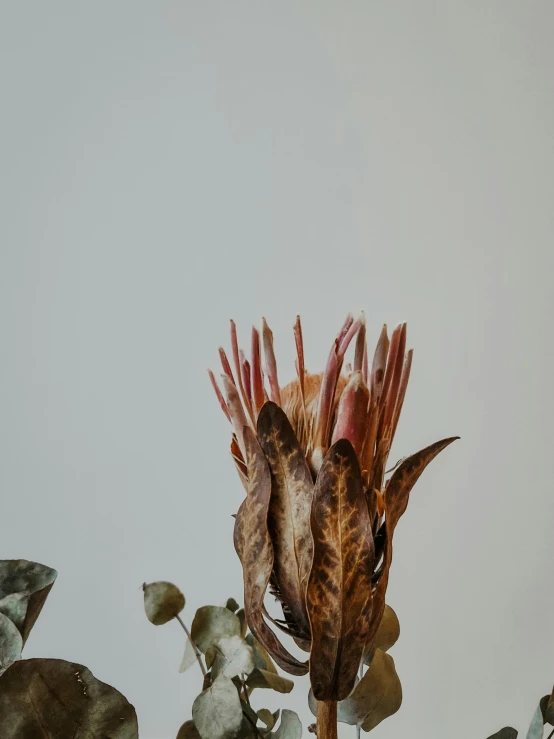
44, 698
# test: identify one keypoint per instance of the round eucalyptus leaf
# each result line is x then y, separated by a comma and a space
387, 634
376, 696
211, 623
232, 657
535, 730
189, 657
289, 727
24, 587
188, 731
217, 712
54, 698
163, 601
268, 718
262, 660
269, 681
547, 705
232, 605
11, 643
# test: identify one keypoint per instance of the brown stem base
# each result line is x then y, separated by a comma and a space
327, 720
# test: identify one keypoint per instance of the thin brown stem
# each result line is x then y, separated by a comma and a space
197, 652
550, 735
327, 720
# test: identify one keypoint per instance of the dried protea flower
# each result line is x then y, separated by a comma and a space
318, 519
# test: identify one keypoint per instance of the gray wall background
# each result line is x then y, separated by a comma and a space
168, 165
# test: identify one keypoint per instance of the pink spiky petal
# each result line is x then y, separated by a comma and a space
270, 363
352, 413
256, 368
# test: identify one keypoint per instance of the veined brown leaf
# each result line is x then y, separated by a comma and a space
289, 511
253, 545
339, 587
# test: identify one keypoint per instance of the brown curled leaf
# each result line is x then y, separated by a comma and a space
339, 587
397, 493
253, 545
289, 511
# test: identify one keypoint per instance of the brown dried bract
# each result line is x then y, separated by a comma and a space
339, 588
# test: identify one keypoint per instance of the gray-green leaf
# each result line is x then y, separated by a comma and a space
54, 698
232, 657
24, 586
535, 730
290, 726
189, 657
11, 643
387, 634
212, 623
268, 718
188, 731
232, 605
163, 601
262, 660
377, 696
217, 712
269, 680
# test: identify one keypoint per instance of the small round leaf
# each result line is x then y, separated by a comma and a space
211, 623
217, 712
163, 601
11, 643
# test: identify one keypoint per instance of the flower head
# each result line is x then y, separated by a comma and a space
318, 519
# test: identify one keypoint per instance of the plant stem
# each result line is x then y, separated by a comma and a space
550, 735
327, 720
197, 652
360, 675
247, 717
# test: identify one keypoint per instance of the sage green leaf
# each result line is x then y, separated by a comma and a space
290, 726
163, 601
55, 698
232, 605
189, 657
24, 587
387, 634
269, 680
548, 709
212, 623
232, 657
241, 615
249, 721
217, 712
11, 643
268, 718
535, 730
188, 731
262, 660
210, 656
506, 733
376, 696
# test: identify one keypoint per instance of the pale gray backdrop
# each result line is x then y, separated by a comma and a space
168, 165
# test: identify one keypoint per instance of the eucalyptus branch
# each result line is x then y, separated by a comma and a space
196, 650
247, 701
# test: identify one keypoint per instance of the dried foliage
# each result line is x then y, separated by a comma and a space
49, 697
317, 524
